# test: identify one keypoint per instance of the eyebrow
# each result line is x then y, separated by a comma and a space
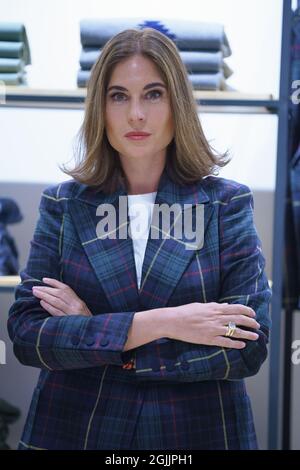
146, 87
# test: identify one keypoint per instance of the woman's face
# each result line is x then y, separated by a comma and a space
137, 100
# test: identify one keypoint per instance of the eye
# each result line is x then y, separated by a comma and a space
117, 96
154, 94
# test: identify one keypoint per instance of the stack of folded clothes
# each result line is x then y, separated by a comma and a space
9, 214
8, 415
14, 53
202, 47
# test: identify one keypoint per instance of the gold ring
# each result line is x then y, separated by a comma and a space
231, 327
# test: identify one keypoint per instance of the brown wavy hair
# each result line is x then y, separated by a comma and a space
189, 155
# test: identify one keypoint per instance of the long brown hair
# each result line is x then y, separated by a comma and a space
189, 155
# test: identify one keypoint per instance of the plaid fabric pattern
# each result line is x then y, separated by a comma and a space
181, 395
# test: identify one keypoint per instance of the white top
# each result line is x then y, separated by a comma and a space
140, 208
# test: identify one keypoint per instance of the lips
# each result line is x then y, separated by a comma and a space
137, 135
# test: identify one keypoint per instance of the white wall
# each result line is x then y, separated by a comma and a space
34, 141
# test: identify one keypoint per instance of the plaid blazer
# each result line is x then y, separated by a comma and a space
181, 395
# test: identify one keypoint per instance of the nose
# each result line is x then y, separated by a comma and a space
136, 111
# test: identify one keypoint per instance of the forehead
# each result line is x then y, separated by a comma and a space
134, 69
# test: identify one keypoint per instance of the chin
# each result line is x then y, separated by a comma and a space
137, 154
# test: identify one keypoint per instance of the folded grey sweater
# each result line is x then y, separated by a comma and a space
187, 35
15, 33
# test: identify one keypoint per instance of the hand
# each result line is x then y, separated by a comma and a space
206, 323
60, 300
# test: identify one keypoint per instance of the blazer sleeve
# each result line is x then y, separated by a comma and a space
242, 281
55, 343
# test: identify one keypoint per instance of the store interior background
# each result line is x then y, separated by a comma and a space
35, 141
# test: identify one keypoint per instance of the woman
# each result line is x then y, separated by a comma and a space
143, 344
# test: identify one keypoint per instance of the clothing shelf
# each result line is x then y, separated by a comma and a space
8, 283
209, 101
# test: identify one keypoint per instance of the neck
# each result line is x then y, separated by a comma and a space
143, 179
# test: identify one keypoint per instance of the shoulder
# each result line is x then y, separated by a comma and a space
67, 190
224, 191
56, 195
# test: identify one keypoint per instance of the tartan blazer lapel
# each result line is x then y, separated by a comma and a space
165, 260
112, 259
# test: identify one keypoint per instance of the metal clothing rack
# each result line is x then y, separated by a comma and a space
280, 370
280, 392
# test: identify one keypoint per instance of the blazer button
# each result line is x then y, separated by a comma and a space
75, 340
185, 365
104, 342
90, 342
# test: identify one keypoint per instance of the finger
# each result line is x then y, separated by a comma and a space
52, 310
54, 283
237, 309
241, 320
50, 299
51, 291
242, 334
229, 343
